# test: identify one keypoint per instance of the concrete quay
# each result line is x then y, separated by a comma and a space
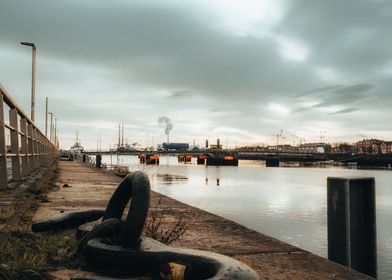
270, 258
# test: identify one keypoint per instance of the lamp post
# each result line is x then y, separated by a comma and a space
32, 77
51, 126
55, 132
46, 117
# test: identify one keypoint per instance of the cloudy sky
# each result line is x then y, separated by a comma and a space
238, 70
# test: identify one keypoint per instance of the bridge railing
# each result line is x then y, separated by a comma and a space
23, 147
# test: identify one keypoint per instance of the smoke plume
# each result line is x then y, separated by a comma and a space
165, 120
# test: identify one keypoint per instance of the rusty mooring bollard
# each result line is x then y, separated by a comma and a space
352, 230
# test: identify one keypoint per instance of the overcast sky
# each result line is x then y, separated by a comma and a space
238, 70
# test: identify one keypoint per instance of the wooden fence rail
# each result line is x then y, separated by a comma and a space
29, 149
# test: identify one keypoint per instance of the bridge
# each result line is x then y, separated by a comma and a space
273, 157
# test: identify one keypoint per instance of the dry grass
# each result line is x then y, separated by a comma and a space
25, 255
164, 229
7, 213
30, 256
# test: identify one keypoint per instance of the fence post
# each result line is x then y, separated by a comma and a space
30, 147
36, 148
41, 149
46, 151
15, 144
3, 150
24, 147
352, 223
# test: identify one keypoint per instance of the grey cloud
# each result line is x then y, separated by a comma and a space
335, 95
345, 95
179, 94
355, 89
144, 49
317, 90
354, 37
221, 109
216, 110
301, 110
345, 111
152, 44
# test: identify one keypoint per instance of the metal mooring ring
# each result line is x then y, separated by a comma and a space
135, 186
149, 255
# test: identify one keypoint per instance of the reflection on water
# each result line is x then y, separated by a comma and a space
169, 179
287, 203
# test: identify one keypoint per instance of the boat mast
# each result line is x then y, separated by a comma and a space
122, 136
77, 137
119, 132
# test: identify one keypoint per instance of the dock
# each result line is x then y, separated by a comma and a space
90, 188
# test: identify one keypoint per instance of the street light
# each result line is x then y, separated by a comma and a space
55, 131
51, 126
46, 117
32, 77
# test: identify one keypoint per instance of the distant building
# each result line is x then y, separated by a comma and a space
215, 147
344, 148
175, 146
315, 148
194, 147
385, 148
373, 146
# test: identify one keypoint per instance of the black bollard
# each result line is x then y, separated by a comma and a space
84, 158
352, 230
98, 161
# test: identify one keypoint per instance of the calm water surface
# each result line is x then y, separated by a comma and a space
289, 204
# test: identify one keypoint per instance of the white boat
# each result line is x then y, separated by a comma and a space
77, 148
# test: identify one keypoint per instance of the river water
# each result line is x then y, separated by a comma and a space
288, 203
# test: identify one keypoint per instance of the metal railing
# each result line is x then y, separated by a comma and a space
29, 148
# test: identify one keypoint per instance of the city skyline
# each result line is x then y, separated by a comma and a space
216, 69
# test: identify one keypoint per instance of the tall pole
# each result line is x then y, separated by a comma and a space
57, 138
122, 136
51, 126
55, 130
32, 77
100, 142
119, 132
46, 117
33, 86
